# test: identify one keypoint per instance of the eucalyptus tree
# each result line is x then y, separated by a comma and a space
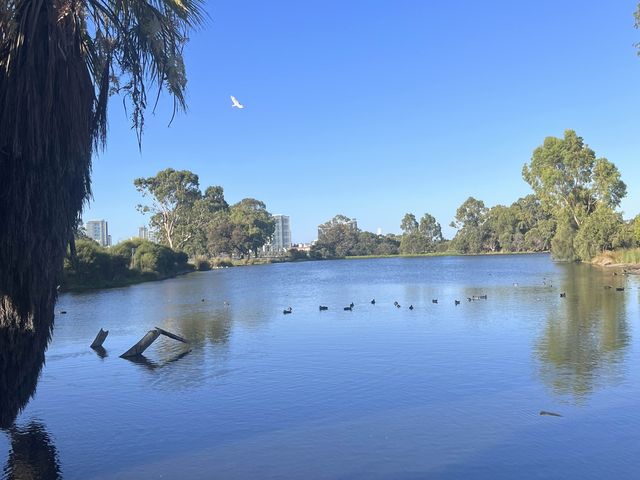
59, 62
470, 221
572, 184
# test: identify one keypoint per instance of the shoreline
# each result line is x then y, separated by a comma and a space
122, 284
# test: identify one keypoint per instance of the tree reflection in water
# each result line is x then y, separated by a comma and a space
21, 360
33, 454
586, 334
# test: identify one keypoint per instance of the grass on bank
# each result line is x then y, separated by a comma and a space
621, 256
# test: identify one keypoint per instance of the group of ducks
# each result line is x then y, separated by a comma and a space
349, 307
473, 298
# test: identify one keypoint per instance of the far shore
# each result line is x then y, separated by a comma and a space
605, 261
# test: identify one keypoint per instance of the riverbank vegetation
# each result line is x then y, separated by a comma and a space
129, 262
571, 212
203, 224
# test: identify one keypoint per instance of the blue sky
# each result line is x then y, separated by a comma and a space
373, 109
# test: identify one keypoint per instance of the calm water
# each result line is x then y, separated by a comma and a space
442, 391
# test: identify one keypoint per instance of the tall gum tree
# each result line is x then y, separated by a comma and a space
59, 62
572, 184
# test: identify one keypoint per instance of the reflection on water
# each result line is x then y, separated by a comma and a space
153, 364
586, 334
32, 455
442, 391
21, 360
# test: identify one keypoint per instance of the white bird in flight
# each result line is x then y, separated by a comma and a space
235, 102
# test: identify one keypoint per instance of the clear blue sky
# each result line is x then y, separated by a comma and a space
374, 109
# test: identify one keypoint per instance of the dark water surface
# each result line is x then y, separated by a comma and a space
442, 391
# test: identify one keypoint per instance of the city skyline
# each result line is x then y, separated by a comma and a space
373, 113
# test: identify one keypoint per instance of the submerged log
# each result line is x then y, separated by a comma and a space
100, 338
150, 337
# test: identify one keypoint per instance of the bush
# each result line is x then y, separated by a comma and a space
99, 267
201, 263
221, 263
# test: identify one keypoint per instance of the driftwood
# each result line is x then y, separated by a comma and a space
100, 338
551, 414
150, 337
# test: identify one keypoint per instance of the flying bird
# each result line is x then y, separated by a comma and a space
235, 102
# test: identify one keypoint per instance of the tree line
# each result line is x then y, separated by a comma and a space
202, 223
572, 213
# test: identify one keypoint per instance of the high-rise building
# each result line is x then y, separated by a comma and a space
281, 241
98, 230
143, 233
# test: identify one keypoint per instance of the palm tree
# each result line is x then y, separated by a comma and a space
60, 60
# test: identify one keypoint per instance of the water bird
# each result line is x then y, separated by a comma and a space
323, 307
349, 308
63, 312
619, 289
410, 307
456, 302
373, 301
351, 305
469, 299
563, 295
235, 103
398, 305
287, 310
435, 300
202, 300
395, 303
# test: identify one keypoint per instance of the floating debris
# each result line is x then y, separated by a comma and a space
148, 339
100, 338
550, 414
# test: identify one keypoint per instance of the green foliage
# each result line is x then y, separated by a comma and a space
562, 244
470, 218
522, 227
294, 255
337, 238
566, 176
418, 238
580, 192
201, 263
98, 267
242, 229
597, 232
174, 213
340, 237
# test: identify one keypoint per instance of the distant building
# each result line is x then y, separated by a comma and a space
143, 233
302, 247
379, 232
281, 239
98, 230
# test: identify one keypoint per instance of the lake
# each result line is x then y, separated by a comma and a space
441, 391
